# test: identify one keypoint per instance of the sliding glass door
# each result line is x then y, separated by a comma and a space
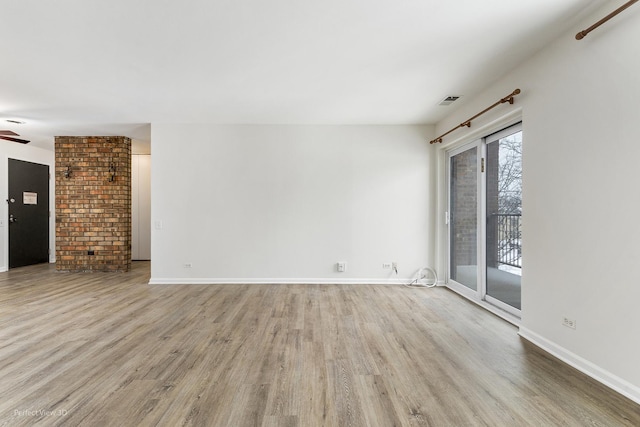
463, 214
503, 218
484, 219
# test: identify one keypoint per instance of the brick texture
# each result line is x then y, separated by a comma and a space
93, 204
464, 209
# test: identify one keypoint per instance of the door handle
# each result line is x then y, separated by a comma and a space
12, 219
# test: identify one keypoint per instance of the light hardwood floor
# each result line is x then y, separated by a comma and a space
108, 349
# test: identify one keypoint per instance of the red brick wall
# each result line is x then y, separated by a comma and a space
92, 212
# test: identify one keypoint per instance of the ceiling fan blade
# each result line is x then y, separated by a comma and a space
8, 132
8, 138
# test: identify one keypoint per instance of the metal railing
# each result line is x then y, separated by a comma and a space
507, 232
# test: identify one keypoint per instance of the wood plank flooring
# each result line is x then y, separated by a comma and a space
106, 349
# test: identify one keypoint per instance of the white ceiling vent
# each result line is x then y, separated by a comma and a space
449, 100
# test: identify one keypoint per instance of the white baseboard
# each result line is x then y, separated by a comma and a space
264, 281
597, 373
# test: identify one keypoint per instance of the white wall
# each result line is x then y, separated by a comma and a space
285, 203
12, 150
581, 241
140, 207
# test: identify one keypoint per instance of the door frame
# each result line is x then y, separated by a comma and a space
456, 286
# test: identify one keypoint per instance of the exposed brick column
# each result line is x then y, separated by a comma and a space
93, 203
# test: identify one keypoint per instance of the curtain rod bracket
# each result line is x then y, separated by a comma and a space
509, 98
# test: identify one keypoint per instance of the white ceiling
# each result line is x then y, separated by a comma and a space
77, 67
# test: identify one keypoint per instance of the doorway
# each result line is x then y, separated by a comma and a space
484, 219
28, 213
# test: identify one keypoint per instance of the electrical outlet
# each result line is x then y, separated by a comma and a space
341, 267
569, 323
386, 265
394, 266
188, 265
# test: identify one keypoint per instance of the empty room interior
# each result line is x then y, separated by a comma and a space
320, 213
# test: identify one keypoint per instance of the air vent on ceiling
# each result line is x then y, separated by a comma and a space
449, 100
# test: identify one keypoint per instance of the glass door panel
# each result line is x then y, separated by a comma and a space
463, 216
504, 212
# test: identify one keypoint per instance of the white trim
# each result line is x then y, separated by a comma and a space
5, 195
503, 306
274, 281
461, 290
603, 376
509, 119
481, 226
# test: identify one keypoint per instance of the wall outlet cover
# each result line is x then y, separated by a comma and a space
569, 323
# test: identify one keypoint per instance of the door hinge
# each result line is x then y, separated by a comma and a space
482, 165
446, 218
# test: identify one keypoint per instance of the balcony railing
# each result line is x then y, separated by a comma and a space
506, 233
